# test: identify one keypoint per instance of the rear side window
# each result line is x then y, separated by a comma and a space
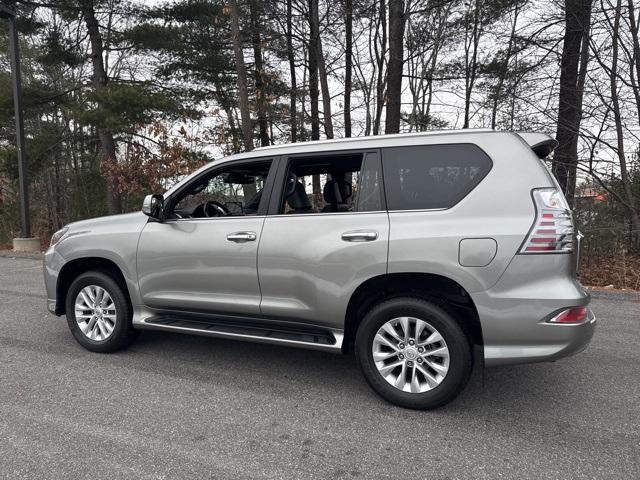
432, 176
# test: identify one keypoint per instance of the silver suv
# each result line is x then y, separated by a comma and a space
418, 252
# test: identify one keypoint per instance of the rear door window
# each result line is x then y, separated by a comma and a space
332, 183
432, 176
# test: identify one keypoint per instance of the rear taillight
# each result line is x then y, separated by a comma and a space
552, 231
571, 315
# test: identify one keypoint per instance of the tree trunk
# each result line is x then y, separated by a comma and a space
326, 95
261, 103
438, 44
241, 72
322, 70
636, 54
226, 102
504, 68
293, 115
471, 63
565, 158
348, 65
228, 110
396, 64
314, 94
615, 106
99, 80
380, 57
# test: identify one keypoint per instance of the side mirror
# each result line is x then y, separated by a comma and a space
153, 206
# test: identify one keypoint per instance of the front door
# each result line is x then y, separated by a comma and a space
203, 257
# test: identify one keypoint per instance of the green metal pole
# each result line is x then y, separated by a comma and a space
14, 53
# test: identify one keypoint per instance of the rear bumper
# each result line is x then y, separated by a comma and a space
514, 312
559, 341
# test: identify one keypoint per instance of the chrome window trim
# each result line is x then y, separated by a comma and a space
230, 217
420, 210
288, 215
315, 214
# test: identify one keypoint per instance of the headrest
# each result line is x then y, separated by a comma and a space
298, 199
336, 191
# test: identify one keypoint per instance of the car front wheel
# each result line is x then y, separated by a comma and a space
413, 352
99, 313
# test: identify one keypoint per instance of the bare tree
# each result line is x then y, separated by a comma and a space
256, 12
620, 147
322, 71
473, 31
504, 67
100, 80
575, 56
241, 72
293, 93
380, 49
348, 67
427, 33
635, 55
396, 65
314, 94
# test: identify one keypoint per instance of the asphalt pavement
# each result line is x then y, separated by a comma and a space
176, 406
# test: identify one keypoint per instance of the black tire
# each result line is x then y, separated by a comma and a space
460, 353
123, 332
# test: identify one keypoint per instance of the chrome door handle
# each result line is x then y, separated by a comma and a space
359, 236
240, 237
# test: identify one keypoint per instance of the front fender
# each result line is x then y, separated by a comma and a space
114, 239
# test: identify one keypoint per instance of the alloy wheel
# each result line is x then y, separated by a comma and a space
95, 312
410, 354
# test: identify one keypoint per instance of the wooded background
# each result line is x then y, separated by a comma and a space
123, 98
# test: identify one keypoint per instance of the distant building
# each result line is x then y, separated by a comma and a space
589, 193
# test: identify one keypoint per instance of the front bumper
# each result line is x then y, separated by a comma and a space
52, 264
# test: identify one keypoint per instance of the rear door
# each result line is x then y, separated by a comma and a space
326, 233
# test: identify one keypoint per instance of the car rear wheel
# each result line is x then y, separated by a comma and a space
413, 352
99, 313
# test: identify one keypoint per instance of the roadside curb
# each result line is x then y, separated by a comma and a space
614, 294
28, 255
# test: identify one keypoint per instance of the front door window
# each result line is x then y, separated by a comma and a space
228, 192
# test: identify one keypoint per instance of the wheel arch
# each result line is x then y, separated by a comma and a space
443, 290
72, 269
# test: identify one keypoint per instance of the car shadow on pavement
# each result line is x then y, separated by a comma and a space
517, 388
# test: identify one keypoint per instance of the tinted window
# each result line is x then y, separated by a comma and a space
434, 176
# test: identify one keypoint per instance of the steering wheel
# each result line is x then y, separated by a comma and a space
211, 208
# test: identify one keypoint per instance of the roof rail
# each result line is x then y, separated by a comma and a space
388, 136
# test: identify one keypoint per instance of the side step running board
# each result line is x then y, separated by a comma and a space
261, 331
